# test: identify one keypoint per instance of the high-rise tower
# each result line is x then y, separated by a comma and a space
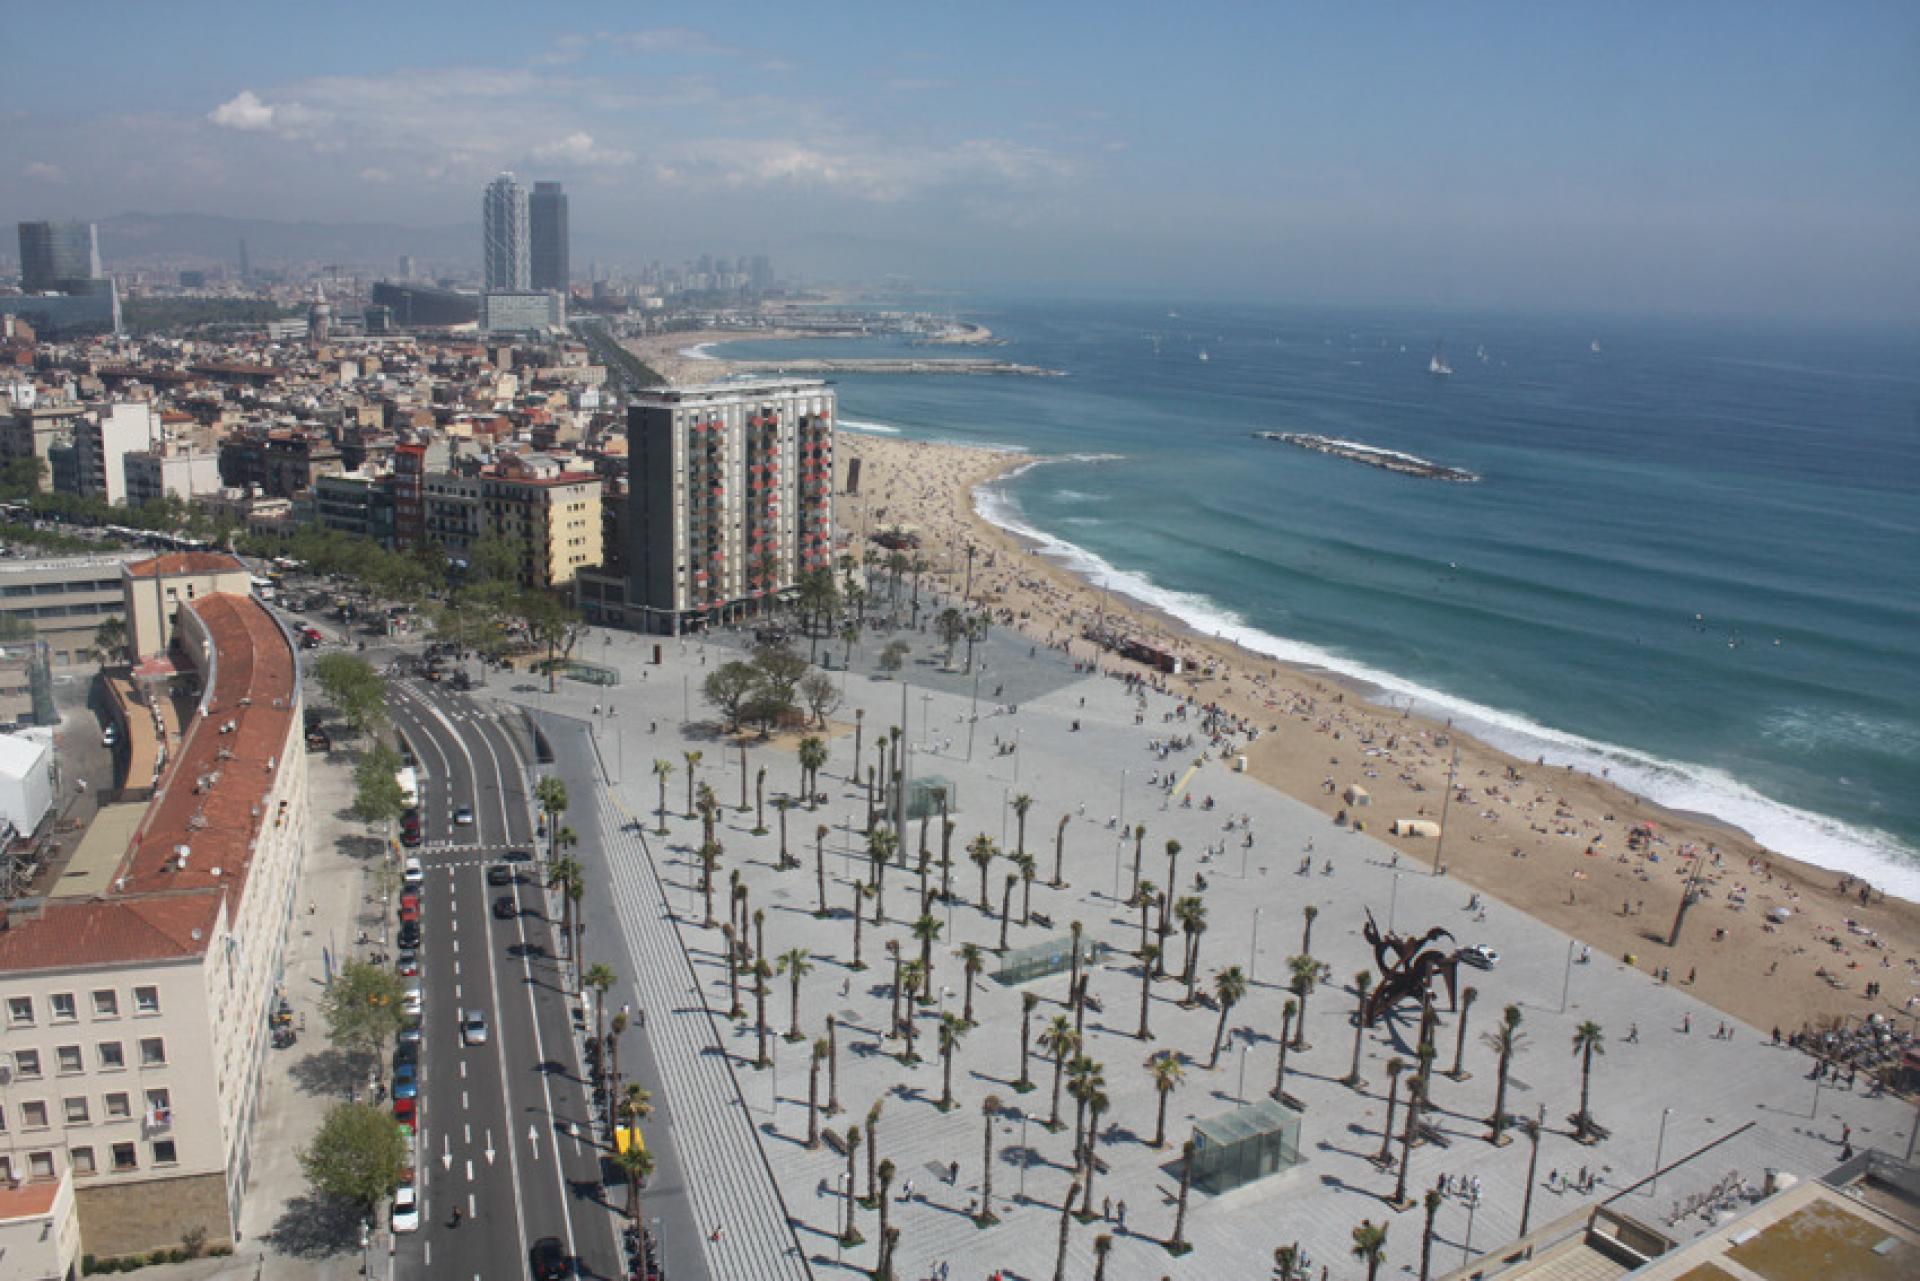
552, 263
504, 234
56, 255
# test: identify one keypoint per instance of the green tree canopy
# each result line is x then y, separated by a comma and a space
357, 1155
377, 796
363, 1009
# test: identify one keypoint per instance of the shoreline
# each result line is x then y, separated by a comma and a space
682, 358
1548, 839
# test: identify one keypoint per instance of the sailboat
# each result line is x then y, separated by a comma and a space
1595, 347
1437, 365
1204, 355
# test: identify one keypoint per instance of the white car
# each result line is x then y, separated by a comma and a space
406, 1209
463, 817
414, 1002
413, 872
473, 1027
1480, 955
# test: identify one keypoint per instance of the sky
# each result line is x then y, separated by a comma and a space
1753, 158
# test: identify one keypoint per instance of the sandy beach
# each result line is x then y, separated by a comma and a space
1770, 941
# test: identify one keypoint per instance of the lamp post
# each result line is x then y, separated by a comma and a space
1473, 1203
1123, 797
1659, 1146
1240, 1092
1253, 952
846, 1200
1026, 1155
1566, 980
1393, 902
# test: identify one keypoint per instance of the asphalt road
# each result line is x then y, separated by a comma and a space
506, 1133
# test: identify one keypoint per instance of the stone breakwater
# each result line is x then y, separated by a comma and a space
885, 365
1385, 459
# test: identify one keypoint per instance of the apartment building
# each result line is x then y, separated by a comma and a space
137, 979
730, 497
451, 507
102, 439
551, 515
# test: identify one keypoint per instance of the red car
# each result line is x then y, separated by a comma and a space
409, 910
403, 1111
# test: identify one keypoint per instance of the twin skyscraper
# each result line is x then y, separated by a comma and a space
524, 243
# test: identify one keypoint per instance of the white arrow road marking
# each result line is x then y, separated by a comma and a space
446, 1153
489, 1148
533, 1138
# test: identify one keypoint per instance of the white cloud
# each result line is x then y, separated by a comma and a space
666, 40
41, 171
878, 172
375, 174
579, 148
247, 112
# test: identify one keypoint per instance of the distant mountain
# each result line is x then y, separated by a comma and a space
127, 238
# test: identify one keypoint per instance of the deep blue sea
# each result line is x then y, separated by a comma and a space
1694, 558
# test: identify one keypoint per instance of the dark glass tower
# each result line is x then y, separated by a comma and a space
552, 264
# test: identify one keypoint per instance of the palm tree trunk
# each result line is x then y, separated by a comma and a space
1280, 1073
833, 1066
1219, 1034
1059, 852
1066, 1220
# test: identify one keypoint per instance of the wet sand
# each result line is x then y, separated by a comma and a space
1551, 842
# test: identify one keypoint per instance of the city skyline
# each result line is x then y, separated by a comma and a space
1699, 160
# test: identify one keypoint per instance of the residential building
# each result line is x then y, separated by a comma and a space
57, 256
451, 514
181, 467
551, 515
412, 461
101, 442
505, 236
156, 589
730, 497
280, 464
65, 599
522, 312
137, 975
551, 261
33, 428
357, 503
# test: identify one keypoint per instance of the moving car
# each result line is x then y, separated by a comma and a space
505, 908
463, 817
499, 874
406, 1209
548, 1260
1480, 955
473, 1027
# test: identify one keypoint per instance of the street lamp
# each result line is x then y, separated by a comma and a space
846, 1199
1659, 1146
1473, 1203
1393, 902
1566, 980
1241, 1091
1026, 1155
1253, 952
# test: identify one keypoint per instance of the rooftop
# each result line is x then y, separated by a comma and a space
739, 389
184, 563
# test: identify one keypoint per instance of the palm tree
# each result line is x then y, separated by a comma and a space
981, 850
599, 978
972, 961
1059, 1040
1173, 885
1021, 804
1139, 845
1167, 1074
1028, 870
1306, 973
734, 1009
861, 893
1066, 1229
1149, 956
1467, 998
1178, 1244
761, 973
881, 844
833, 1066
820, 866
1060, 852
989, 1109
1097, 1105
1432, 1203
1394, 1068
852, 1234
615, 1030
760, 808
1369, 1244
1286, 1263
873, 1147
1362, 983
1229, 985
796, 963
1280, 1072
707, 805
1589, 1039
564, 874
636, 1167
927, 930
1144, 895
551, 793
1306, 935
813, 755
636, 1104
1086, 1078
1506, 1040
693, 764
781, 804
884, 1272
952, 1031
1191, 912
813, 1091
1006, 910
1416, 1094
662, 771
859, 729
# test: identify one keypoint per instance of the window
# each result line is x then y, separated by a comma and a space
70, 1060
112, 1056
64, 1009
159, 1107
76, 1107
20, 1011
106, 1004
26, 1064
82, 1161
164, 1153
153, 1052
33, 1114
124, 1158
119, 1107
146, 1000
40, 1164
3, 1120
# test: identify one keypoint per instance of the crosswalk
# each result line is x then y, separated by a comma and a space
729, 1182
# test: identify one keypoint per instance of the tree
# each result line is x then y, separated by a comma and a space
1589, 1039
989, 1109
1060, 1041
1139, 852
110, 638
781, 670
927, 930
693, 763
1362, 982
352, 686
1370, 1244
851, 1236
1395, 1067
884, 1271
1308, 913
953, 1030
812, 754
972, 960
551, 795
1506, 1040
894, 656
1148, 956
821, 695
1021, 804
1066, 1230
950, 625
1229, 985
1191, 913
377, 797
761, 973
982, 850
1432, 1204
662, 771
363, 1009
1168, 1074
1060, 852
1467, 998
600, 978
729, 687
357, 1156
819, 1056
796, 963
636, 1167
1179, 1242
1305, 971
1028, 1000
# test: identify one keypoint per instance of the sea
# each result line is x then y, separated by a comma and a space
1692, 560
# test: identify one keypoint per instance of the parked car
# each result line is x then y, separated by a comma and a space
404, 1112
406, 1052
473, 1027
407, 962
1480, 955
414, 1001
409, 910
505, 908
406, 1209
413, 872
406, 1080
410, 837
409, 935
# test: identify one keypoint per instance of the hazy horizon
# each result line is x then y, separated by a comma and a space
1703, 159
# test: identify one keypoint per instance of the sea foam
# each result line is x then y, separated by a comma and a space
1812, 838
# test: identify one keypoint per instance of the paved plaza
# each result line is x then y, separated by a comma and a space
1708, 1105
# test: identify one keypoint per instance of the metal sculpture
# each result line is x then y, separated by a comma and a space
1408, 965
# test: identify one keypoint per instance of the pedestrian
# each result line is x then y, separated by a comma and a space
953, 1173
719, 1229
1106, 1209
906, 1193
1686, 1023
1121, 1210
1633, 1034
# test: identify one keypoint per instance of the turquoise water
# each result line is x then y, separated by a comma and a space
1694, 558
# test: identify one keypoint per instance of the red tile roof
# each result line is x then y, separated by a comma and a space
29, 1200
183, 563
112, 931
